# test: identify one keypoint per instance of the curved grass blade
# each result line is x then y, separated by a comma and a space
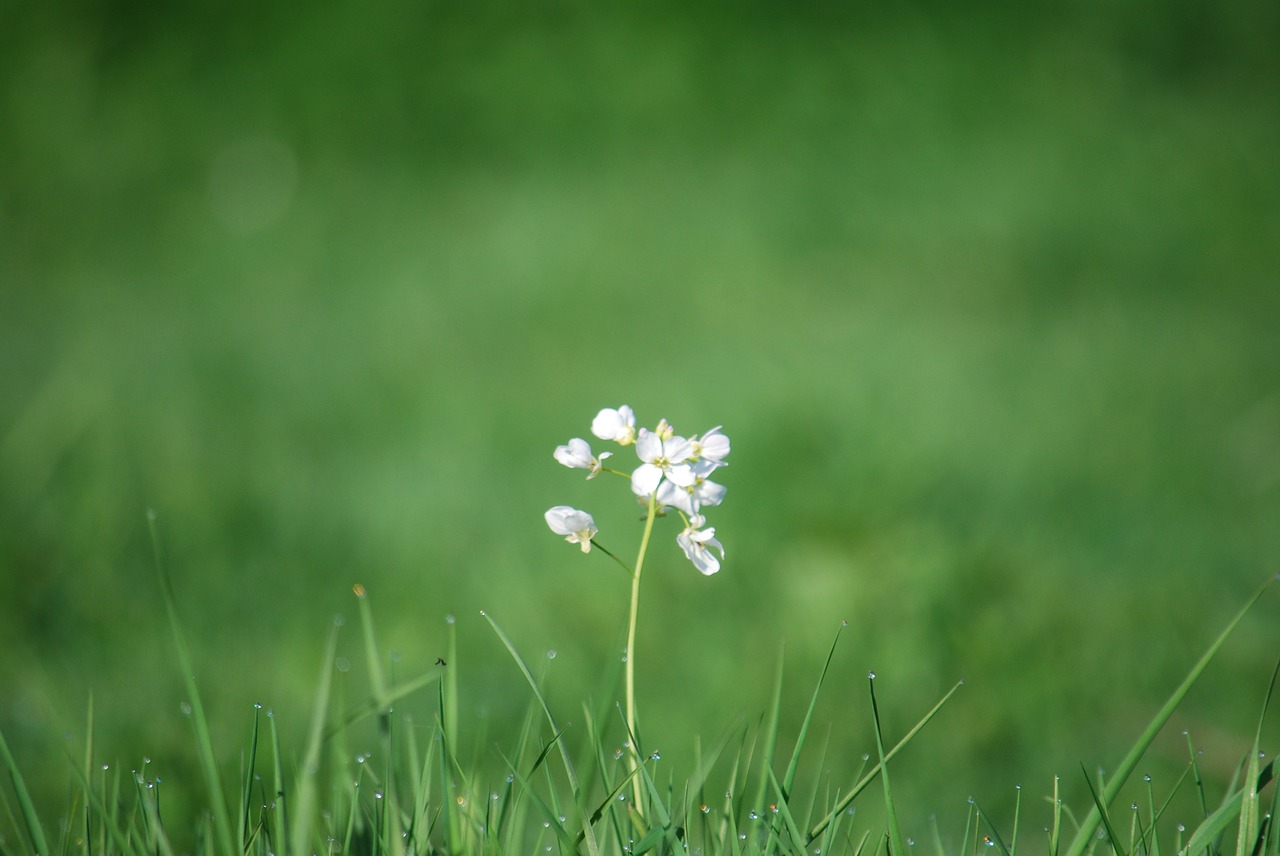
1101, 808
34, 830
870, 776
592, 846
208, 761
304, 812
1084, 835
890, 813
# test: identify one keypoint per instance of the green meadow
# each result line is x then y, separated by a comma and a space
987, 300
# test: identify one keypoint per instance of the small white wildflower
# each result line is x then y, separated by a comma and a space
577, 527
711, 448
698, 544
691, 498
577, 455
662, 458
617, 425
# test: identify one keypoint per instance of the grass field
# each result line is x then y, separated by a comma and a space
987, 302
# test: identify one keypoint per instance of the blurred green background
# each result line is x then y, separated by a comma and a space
986, 299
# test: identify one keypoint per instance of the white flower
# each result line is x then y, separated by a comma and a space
617, 425
661, 458
690, 499
576, 526
577, 455
710, 449
698, 545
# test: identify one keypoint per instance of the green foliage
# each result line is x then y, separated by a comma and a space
404, 800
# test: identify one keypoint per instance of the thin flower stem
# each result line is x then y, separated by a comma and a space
605, 550
631, 646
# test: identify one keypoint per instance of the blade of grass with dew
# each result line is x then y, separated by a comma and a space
552, 819
1055, 831
1250, 822
890, 811
35, 832
592, 846
208, 761
242, 825
1103, 813
1089, 827
784, 812
302, 824
870, 776
995, 838
1218, 820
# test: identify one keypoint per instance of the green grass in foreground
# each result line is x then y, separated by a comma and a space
563, 789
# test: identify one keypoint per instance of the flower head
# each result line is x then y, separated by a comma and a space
698, 545
691, 498
577, 527
663, 458
577, 455
711, 448
617, 425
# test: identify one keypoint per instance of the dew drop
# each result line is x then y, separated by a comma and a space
655, 755
617, 754
342, 664
752, 814
257, 706
377, 794
1181, 828
911, 842
1133, 806
742, 836
449, 619
706, 809
844, 623
482, 612
871, 675
562, 818
339, 619
185, 707
551, 655
510, 778
1146, 777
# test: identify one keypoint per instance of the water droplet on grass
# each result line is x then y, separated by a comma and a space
185, 707
342, 664
551, 655
449, 619
655, 755
871, 675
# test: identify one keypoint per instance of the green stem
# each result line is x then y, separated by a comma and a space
631, 646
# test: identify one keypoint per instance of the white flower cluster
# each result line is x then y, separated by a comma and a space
674, 471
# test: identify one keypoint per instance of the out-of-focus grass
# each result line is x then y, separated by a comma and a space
987, 305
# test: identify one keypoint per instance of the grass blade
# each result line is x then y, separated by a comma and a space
890, 813
870, 776
303, 817
29, 816
208, 761
1084, 835
592, 846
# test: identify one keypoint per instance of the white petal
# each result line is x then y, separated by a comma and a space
648, 446
682, 474
645, 479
